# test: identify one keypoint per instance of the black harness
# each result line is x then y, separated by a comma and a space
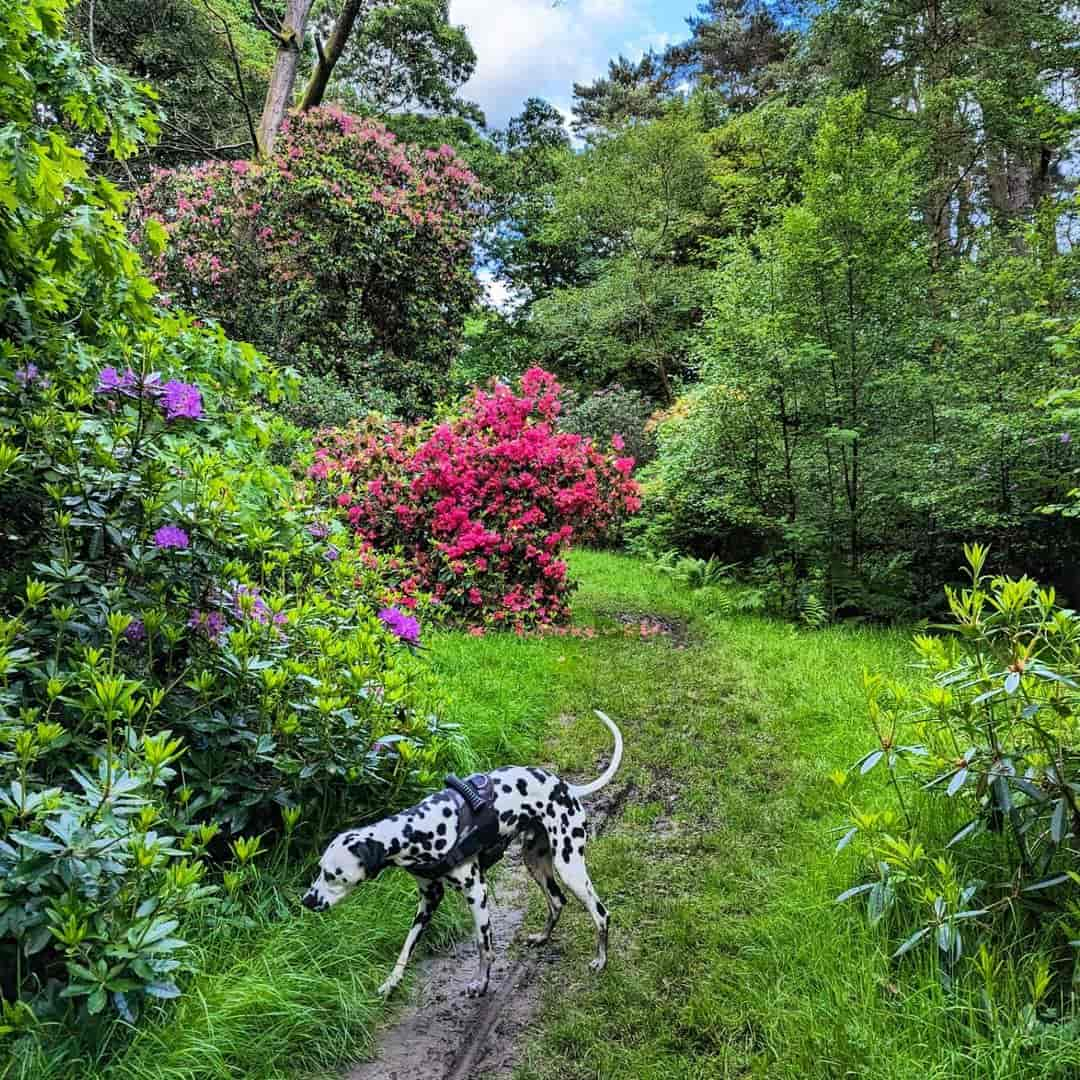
478, 827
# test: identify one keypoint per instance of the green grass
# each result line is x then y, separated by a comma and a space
729, 957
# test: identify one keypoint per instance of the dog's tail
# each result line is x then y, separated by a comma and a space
611, 770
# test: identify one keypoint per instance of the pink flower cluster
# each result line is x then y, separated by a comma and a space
229, 221
483, 504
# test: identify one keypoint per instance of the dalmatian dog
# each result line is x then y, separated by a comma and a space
440, 842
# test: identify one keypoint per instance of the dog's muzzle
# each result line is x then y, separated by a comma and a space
314, 902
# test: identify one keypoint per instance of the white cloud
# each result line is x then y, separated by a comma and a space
529, 48
498, 292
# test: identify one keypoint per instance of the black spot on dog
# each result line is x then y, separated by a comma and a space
441, 830
447, 812
554, 890
539, 774
507, 789
601, 910
522, 787
577, 832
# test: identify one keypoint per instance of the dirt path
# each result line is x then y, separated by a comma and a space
443, 1035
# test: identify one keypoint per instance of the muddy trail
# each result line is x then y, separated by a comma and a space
441, 1034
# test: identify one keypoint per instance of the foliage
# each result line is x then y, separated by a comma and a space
185, 655
988, 740
630, 318
405, 57
347, 253
481, 503
207, 61
614, 410
846, 426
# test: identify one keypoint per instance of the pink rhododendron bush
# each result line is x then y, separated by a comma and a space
348, 253
483, 504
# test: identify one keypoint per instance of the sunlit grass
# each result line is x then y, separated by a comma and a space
729, 956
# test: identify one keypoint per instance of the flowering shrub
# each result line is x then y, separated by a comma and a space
349, 253
186, 653
186, 657
481, 504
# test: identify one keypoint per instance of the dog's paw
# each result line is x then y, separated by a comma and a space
476, 989
387, 988
598, 964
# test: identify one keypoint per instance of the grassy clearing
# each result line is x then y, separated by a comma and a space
729, 957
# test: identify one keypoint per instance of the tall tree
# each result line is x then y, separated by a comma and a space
629, 91
738, 45
289, 36
983, 85
205, 59
388, 58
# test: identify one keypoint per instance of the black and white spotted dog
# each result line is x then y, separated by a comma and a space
453, 837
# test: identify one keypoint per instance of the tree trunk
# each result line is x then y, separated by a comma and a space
290, 38
329, 56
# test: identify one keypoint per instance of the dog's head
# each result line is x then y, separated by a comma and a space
350, 859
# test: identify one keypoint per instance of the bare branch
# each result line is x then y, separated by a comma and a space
239, 74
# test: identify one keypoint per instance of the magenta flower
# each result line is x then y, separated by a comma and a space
171, 536
402, 626
181, 401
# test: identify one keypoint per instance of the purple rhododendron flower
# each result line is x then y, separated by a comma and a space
402, 626
1066, 437
110, 381
181, 401
136, 631
26, 375
259, 611
171, 536
331, 553
211, 623
319, 531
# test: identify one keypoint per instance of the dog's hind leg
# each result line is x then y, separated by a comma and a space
569, 864
469, 878
537, 852
431, 894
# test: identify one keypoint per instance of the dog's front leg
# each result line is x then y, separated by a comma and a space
469, 878
431, 894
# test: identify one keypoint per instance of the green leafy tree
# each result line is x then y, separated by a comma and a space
206, 61
628, 320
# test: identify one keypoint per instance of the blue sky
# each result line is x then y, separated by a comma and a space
535, 48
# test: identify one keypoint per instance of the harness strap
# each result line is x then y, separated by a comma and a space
468, 792
478, 825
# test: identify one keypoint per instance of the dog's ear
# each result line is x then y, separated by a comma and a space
371, 855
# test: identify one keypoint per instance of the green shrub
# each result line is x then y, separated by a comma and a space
189, 661
614, 410
974, 855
